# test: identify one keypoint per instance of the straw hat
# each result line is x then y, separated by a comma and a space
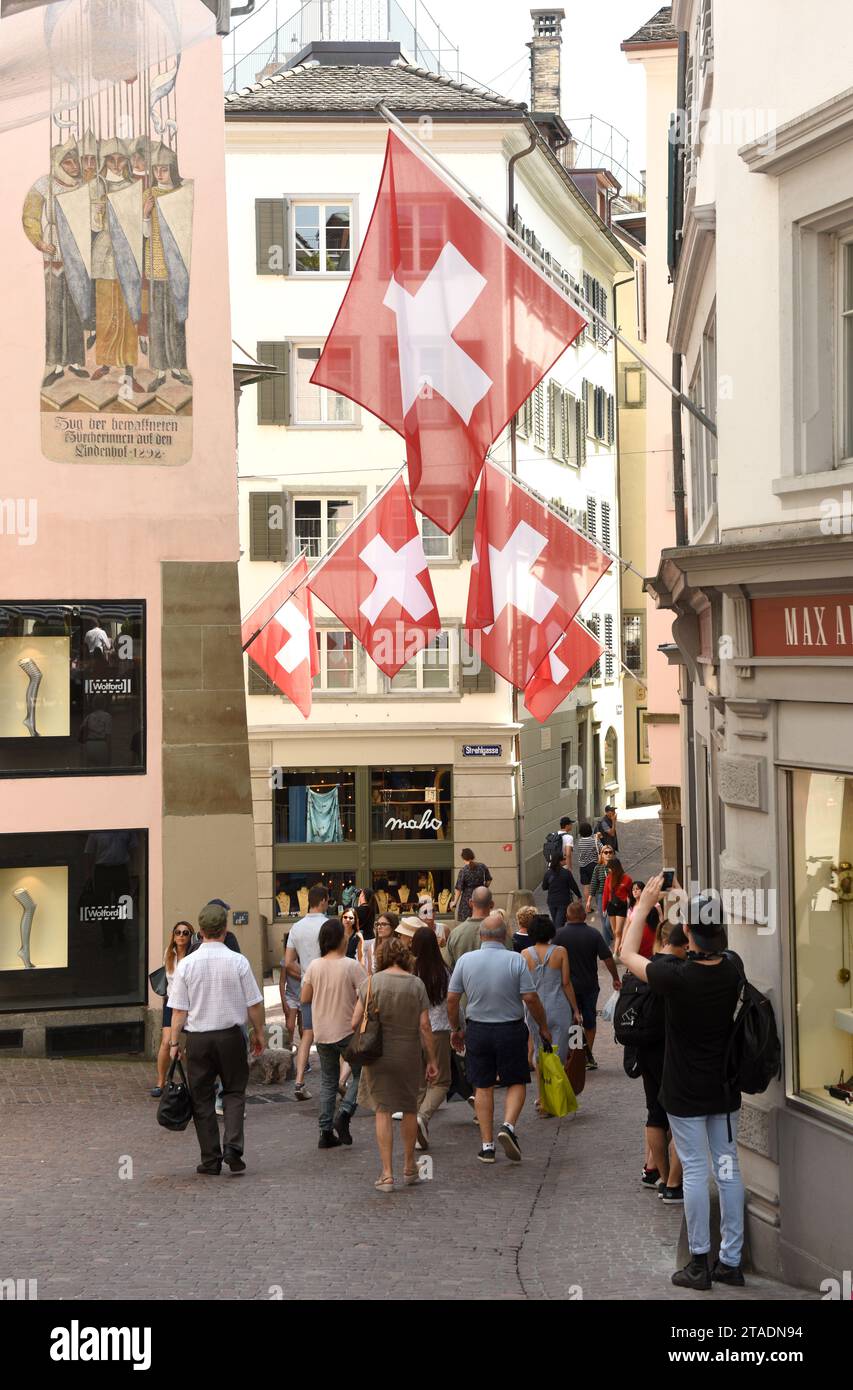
408, 926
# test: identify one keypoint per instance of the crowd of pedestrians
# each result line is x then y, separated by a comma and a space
468, 1010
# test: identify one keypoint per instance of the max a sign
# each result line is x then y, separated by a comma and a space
817, 626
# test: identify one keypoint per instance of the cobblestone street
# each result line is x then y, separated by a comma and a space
571, 1215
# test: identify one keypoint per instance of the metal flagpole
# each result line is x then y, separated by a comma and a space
573, 296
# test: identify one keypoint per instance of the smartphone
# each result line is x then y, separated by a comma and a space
668, 876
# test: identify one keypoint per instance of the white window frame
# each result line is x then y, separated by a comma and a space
325, 423
322, 687
566, 764
449, 556
322, 201
324, 499
419, 690
844, 354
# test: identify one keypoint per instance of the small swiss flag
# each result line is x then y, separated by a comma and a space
530, 573
377, 582
286, 645
444, 330
561, 670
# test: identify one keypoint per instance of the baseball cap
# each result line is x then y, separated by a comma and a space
706, 921
212, 915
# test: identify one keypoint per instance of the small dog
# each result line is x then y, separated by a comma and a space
272, 1068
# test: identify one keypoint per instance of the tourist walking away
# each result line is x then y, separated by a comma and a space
606, 829
700, 994
212, 993
472, 875
431, 970
662, 1167
303, 946
177, 949
596, 892
586, 854
330, 988
615, 900
560, 885
466, 937
498, 986
559, 843
548, 964
585, 947
394, 1081
521, 936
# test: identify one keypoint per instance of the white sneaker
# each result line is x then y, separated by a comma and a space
397, 1115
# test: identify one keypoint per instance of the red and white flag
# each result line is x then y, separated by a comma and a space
530, 573
561, 670
377, 582
444, 330
286, 645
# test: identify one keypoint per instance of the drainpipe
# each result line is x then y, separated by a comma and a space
679, 495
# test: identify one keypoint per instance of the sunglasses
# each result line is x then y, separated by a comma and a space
183, 933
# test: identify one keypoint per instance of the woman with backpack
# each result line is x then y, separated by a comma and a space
616, 897
661, 1170
472, 875
700, 996
560, 885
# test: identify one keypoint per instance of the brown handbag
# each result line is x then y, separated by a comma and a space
366, 1045
576, 1069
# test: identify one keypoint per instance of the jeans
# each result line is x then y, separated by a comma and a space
693, 1136
330, 1055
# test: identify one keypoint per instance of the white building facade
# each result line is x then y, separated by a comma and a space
763, 319
304, 156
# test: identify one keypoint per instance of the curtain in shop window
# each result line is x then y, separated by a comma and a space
297, 811
324, 817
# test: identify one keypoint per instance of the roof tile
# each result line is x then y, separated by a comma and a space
322, 87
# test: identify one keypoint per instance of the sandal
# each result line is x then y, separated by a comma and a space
384, 1184
410, 1179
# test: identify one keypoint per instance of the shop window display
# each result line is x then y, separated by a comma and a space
822, 862
72, 919
72, 688
411, 803
401, 890
291, 890
314, 807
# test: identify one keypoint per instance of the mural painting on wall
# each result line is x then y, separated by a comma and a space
112, 222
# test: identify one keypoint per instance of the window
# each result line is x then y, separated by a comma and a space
846, 442
633, 642
321, 238
411, 803
437, 546
703, 445
609, 657
821, 834
400, 890
291, 890
318, 521
313, 806
611, 759
431, 669
593, 622
336, 654
540, 421
642, 735
632, 387
567, 778
605, 526
562, 410
72, 682
314, 405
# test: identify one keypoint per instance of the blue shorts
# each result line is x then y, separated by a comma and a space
496, 1051
587, 1000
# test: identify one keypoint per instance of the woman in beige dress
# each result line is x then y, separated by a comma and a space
394, 1080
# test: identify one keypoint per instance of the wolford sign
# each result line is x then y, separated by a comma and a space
820, 625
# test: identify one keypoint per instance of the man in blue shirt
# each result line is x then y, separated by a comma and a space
497, 985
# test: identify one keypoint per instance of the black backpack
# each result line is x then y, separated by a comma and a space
638, 1019
753, 1056
553, 845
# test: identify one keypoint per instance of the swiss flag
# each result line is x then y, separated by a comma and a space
561, 670
286, 645
377, 582
530, 573
444, 331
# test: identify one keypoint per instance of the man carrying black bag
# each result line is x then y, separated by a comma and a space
212, 992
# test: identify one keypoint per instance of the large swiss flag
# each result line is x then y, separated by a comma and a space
444, 330
285, 646
561, 670
377, 582
530, 573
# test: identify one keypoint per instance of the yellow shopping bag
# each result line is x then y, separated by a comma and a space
555, 1093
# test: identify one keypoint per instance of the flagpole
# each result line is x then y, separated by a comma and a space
328, 555
574, 296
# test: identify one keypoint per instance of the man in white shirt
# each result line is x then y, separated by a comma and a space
97, 640
212, 992
303, 946
568, 840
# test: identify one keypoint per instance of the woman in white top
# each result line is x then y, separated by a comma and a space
432, 971
178, 947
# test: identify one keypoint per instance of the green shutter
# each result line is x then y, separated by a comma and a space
580, 426
555, 423
259, 682
271, 240
466, 528
269, 526
274, 391
474, 681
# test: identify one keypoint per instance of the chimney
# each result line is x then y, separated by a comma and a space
545, 61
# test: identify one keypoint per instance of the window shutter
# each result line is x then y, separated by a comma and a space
611, 419
259, 682
591, 518
603, 335
269, 530
609, 661
539, 420
605, 525
580, 426
555, 419
567, 418
593, 622
274, 391
466, 528
474, 681
271, 239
